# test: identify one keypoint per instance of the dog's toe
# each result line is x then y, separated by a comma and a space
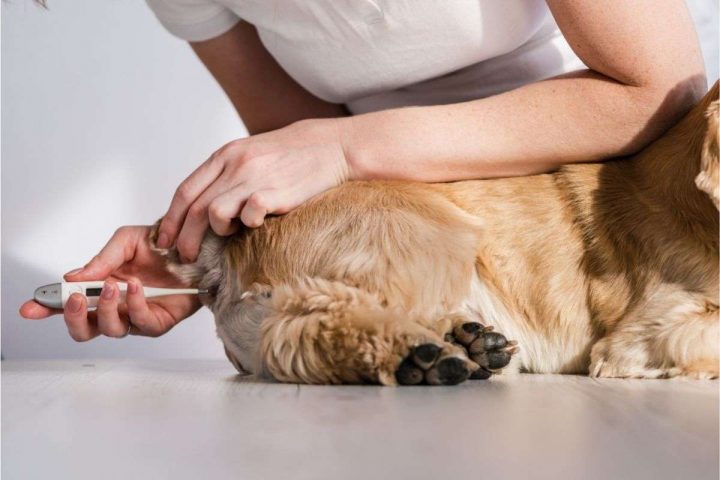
448, 371
408, 373
433, 365
425, 355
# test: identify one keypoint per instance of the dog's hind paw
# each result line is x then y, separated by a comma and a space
434, 365
489, 349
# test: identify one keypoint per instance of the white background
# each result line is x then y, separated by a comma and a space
103, 114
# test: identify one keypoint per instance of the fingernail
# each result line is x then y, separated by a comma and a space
107, 291
73, 272
163, 241
132, 288
74, 303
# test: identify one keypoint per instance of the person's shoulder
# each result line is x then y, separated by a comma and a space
194, 20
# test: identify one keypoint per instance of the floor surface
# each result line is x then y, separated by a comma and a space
197, 420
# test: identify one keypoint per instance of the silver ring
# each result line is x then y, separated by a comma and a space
129, 330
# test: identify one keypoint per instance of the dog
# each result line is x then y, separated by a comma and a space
608, 269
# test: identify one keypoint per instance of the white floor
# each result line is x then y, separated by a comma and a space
197, 420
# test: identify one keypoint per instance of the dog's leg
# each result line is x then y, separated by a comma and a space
329, 332
676, 333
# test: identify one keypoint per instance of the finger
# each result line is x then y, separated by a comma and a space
262, 203
109, 322
79, 326
119, 249
34, 311
196, 222
226, 208
188, 192
138, 310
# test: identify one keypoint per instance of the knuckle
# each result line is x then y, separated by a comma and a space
183, 192
120, 234
257, 200
228, 150
214, 210
196, 210
235, 145
217, 210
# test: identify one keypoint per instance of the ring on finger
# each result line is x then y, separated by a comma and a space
128, 330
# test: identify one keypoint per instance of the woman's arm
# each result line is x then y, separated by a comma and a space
646, 71
263, 94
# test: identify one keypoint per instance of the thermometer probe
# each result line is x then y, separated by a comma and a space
56, 295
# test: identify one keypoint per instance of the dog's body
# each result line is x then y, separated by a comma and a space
609, 269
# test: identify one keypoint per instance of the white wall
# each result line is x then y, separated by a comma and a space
103, 114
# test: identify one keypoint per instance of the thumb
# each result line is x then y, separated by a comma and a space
119, 250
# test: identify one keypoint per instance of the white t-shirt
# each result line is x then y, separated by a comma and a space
378, 54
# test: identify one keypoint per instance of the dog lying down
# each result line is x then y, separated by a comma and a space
608, 269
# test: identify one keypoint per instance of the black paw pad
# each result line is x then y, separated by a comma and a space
425, 365
491, 350
449, 371
425, 355
498, 359
409, 374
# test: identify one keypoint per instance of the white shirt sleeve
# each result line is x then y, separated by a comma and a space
193, 20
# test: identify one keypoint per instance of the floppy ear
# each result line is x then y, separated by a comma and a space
708, 180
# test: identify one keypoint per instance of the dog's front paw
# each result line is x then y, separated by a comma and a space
489, 349
434, 365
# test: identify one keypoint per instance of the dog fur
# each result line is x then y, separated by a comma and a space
608, 269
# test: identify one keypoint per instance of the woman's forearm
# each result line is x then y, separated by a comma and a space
578, 117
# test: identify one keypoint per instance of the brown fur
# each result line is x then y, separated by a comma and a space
609, 269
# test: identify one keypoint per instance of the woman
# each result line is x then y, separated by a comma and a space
332, 91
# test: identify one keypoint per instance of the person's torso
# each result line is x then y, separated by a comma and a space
373, 54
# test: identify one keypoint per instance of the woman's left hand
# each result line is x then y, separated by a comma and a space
249, 178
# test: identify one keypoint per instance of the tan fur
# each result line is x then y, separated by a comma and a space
608, 269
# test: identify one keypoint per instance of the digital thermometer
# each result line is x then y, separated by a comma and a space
56, 295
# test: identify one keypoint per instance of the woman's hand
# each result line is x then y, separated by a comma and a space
270, 173
127, 257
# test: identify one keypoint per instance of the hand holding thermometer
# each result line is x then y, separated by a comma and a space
56, 295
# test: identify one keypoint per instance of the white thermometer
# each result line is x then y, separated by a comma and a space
56, 295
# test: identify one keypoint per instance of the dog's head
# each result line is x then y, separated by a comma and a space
234, 307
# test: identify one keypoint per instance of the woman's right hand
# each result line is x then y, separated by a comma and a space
127, 257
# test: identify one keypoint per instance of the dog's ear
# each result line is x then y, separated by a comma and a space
708, 180
187, 273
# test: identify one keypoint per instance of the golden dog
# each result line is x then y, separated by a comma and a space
608, 268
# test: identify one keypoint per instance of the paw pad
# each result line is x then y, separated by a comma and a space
489, 349
427, 364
